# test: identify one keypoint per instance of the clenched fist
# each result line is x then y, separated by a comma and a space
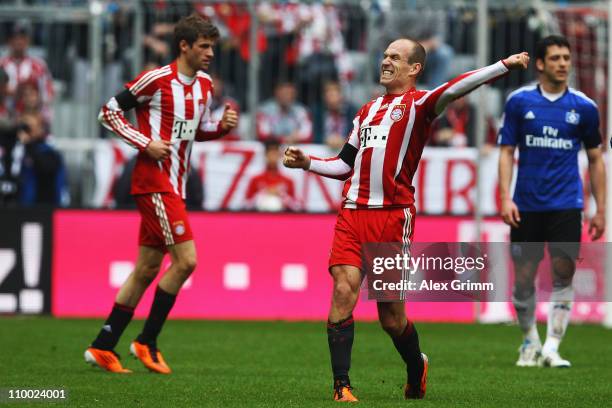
296, 159
517, 61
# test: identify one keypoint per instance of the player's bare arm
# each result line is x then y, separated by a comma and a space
509, 210
597, 173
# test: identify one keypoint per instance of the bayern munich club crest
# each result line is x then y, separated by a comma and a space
179, 228
397, 113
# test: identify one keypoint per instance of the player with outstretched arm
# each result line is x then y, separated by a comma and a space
378, 162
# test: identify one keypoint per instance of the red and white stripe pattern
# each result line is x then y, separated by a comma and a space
166, 102
162, 216
144, 88
28, 69
113, 119
390, 133
139, 87
209, 128
406, 234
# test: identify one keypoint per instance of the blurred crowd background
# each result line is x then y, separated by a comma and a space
296, 71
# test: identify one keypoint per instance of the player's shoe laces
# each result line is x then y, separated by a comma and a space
418, 392
529, 354
553, 359
150, 356
105, 359
342, 392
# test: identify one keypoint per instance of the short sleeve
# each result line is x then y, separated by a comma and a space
510, 123
591, 137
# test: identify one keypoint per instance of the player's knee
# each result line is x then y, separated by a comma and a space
343, 291
146, 273
392, 325
186, 265
563, 270
522, 292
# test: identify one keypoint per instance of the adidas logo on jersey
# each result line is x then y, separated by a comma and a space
530, 115
188, 96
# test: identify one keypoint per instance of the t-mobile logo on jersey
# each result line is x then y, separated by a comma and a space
184, 130
374, 136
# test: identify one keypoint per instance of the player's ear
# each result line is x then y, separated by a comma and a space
539, 65
183, 45
416, 69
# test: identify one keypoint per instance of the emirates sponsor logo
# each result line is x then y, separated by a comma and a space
549, 142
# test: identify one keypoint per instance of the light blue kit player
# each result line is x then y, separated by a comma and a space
548, 123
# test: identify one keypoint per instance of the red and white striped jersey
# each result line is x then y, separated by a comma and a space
169, 108
28, 70
388, 136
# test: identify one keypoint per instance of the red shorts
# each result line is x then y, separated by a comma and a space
357, 227
163, 220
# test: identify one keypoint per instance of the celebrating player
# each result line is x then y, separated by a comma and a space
172, 106
378, 161
548, 122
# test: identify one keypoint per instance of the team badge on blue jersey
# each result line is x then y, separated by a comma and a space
572, 117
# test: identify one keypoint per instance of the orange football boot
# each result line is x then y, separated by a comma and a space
342, 392
105, 359
150, 356
420, 393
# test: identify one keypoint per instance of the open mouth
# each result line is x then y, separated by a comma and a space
386, 73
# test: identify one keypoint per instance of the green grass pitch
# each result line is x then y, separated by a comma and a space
279, 364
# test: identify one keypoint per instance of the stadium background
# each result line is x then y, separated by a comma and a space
68, 260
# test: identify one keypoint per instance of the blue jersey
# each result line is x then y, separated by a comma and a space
549, 136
